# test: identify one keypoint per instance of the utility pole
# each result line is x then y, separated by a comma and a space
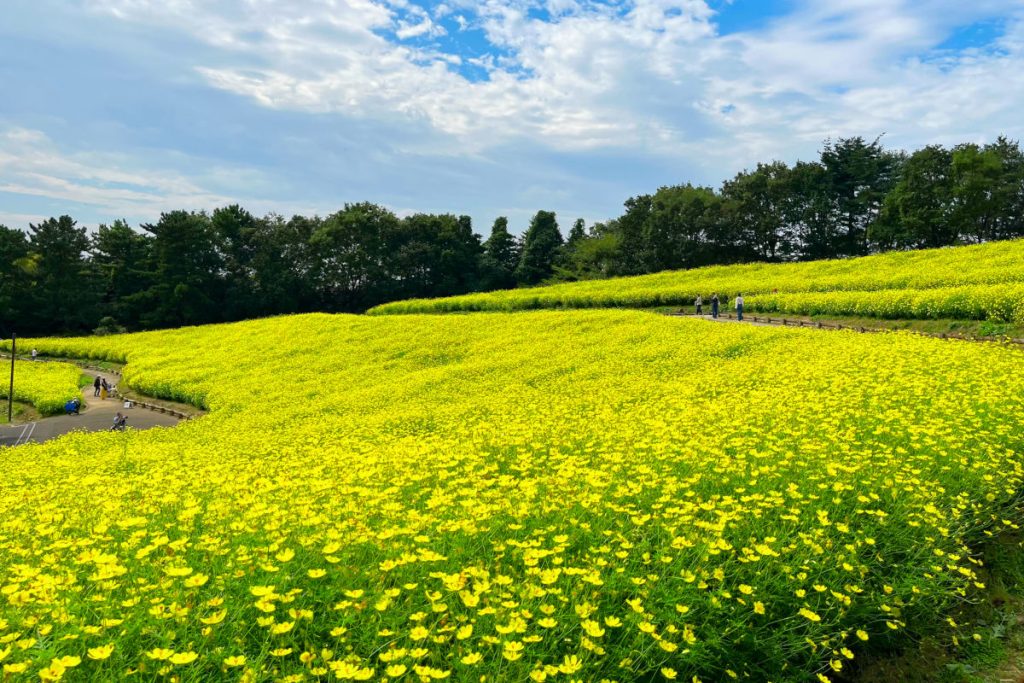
10, 392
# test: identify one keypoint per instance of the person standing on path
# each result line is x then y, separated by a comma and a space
34, 354
714, 306
739, 306
700, 304
96, 386
104, 388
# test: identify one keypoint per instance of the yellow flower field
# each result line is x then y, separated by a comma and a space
47, 386
585, 495
976, 282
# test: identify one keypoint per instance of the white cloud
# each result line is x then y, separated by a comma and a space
655, 77
592, 101
32, 165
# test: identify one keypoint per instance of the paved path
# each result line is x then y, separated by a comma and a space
97, 416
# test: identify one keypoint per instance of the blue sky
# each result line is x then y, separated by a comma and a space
126, 108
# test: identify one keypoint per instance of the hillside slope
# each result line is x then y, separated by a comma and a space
603, 494
974, 282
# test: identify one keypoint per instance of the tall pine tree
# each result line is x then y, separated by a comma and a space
540, 249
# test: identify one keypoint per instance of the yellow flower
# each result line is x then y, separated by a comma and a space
180, 658
215, 618
472, 658
283, 627
236, 661
160, 653
570, 665
196, 580
668, 673
100, 652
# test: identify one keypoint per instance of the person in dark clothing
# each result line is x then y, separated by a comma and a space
714, 306
96, 386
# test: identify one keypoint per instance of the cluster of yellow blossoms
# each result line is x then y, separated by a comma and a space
975, 283
563, 496
47, 386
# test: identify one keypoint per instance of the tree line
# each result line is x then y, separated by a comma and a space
196, 267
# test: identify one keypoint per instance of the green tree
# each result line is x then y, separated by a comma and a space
675, 233
540, 249
500, 257
235, 231
14, 280
596, 255
632, 232
187, 275
919, 212
857, 177
64, 292
284, 265
759, 205
433, 255
122, 259
351, 250
810, 212
988, 189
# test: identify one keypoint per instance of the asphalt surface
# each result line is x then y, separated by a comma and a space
96, 416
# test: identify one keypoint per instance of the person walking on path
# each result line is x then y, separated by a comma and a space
714, 306
739, 306
104, 389
34, 354
700, 304
96, 386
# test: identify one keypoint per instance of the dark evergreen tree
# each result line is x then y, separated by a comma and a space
857, 177
64, 295
14, 280
122, 259
540, 249
187, 284
235, 231
500, 258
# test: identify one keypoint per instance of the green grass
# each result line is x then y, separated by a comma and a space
21, 412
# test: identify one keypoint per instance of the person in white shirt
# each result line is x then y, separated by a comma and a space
700, 304
739, 306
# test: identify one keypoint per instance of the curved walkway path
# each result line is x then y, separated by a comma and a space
97, 416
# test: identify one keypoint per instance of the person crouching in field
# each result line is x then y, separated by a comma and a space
739, 306
700, 304
714, 306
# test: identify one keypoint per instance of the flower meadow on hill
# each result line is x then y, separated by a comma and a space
47, 386
976, 282
564, 496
